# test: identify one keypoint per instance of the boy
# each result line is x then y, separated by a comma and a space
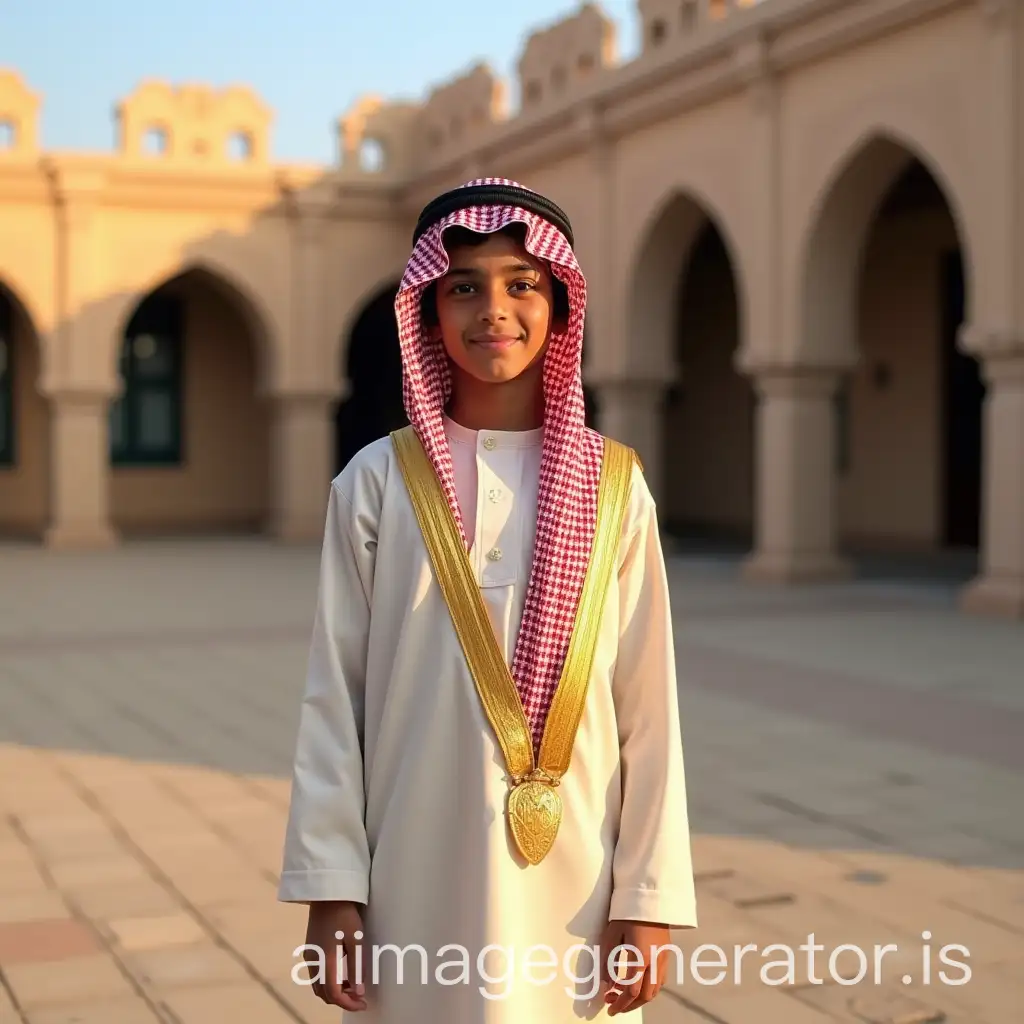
492, 604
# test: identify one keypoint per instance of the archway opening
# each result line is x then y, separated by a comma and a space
373, 367
24, 425
708, 420
190, 433
909, 457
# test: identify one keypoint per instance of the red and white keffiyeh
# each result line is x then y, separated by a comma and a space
571, 455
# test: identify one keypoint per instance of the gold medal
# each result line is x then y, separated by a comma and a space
534, 814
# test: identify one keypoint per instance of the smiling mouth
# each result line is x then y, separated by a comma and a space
495, 342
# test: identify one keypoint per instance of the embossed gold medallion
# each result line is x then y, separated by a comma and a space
534, 806
534, 814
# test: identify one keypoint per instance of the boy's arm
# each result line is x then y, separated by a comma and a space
653, 870
326, 854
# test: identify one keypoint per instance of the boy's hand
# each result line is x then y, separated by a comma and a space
326, 919
639, 983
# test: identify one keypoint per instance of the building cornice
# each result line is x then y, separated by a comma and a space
110, 182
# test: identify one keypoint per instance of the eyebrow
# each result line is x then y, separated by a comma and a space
513, 268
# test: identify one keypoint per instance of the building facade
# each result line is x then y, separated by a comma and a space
801, 224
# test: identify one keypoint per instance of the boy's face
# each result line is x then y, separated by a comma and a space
494, 309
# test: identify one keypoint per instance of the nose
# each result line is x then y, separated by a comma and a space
493, 309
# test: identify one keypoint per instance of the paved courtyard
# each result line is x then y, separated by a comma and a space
856, 773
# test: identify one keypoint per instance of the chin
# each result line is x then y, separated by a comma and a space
497, 376
497, 371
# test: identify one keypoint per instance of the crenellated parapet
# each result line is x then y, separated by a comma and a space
194, 125
667, 21
378, 138
188, 126
457, 112
558, 58
19, 117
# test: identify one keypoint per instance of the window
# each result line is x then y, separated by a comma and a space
145, 422
154, 141
6, 383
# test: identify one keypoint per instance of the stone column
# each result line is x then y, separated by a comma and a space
999, 588
302, 463
79, 469
795, 485
77, 379
632, 411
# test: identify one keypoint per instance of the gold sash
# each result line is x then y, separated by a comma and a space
534, 806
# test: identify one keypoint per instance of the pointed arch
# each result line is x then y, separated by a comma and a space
686, 318
659, 260
236, 290
836, 232
190, 431
887, 276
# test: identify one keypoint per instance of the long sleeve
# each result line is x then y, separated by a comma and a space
653, 869
326, 854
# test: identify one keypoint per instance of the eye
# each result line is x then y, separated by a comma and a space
528, 285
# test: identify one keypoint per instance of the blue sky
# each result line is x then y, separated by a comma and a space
309, 59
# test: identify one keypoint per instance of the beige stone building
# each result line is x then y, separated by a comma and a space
802, 223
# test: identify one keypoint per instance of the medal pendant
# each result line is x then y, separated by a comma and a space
534, 814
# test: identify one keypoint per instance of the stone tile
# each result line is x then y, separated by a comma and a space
216, 886
123, 899
145, 933
243, 919
207, 851
63, 825
21, 878
250, 1003
666, 1009
129, 1010
745, 889
277, 791
56, 848
30, 797
904, 913
1001, 907
78, 874
308, 1008
764, 1006
13, 852
57, 939
182, 847
834, 925
271, 956
8, 1014
991, 993
888, 1004
83, 979
41, 905
200, 964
